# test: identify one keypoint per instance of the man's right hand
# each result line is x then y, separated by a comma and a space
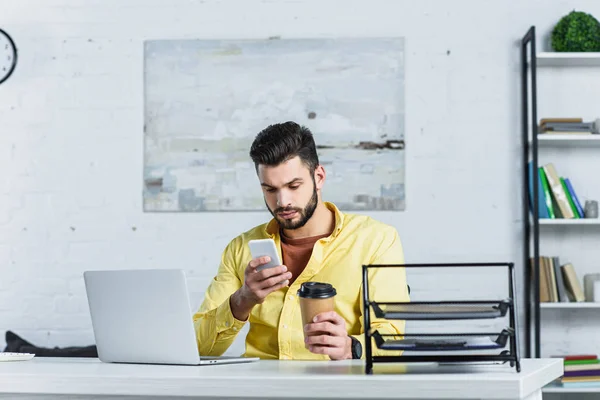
257, 286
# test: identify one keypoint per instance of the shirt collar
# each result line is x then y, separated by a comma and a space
272, 228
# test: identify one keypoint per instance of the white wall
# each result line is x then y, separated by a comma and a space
71, 139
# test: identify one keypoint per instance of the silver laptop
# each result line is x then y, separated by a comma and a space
144, 316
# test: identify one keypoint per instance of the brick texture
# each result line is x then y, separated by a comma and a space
71, 145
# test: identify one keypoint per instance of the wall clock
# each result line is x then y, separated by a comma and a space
8, 56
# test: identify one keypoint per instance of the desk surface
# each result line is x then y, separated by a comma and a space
277, 379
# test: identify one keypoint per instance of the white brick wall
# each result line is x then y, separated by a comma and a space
71, 140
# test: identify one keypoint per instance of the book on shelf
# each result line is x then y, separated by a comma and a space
572, 283
569, 198
558, 192
546, 193
581, 379
544, 282
576, 357
553, 290
556, 195
567, 126
580, 368
543, 209
579, 357
574, 197
573, 385
561, 120
572, 363
592, 366
558, 284
582, 372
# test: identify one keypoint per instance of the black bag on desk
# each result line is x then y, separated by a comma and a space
16, 344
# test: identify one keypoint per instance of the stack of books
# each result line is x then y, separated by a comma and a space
568, 126
558, 283
556, 195
581, 370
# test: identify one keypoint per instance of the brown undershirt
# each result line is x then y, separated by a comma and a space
297, 252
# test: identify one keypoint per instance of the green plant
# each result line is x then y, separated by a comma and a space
576, 31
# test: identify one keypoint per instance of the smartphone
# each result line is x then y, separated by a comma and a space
265, 247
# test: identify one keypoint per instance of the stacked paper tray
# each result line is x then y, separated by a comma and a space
444, 342
441, 310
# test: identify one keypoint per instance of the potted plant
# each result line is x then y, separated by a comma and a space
576, 32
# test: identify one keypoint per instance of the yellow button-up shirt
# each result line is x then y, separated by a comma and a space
276, 330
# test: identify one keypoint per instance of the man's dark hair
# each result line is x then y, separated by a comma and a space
278, 143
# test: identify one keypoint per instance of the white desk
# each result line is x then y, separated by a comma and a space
59, 378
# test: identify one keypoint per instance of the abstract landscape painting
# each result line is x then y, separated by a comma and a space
205, 101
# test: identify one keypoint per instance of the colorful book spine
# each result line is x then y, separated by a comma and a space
569, 199
570, 374
581, 379
542, 209
578, 357
591, 384
574, 197
560, 284
581, 362
546, 191
558, 193
583, 367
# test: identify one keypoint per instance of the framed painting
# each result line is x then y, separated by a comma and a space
205, 101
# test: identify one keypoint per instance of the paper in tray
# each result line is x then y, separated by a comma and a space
442, 344
440, 311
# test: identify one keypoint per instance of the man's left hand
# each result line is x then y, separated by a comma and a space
327, 335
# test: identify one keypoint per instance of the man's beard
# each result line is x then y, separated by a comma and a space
305, 214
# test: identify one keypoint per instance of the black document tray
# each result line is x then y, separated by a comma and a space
441, 310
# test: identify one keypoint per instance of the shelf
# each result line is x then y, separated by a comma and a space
548, 63
574, 305
569, 139
553, 59
562, 221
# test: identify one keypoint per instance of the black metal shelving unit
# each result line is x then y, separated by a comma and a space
531, 228
443, 311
